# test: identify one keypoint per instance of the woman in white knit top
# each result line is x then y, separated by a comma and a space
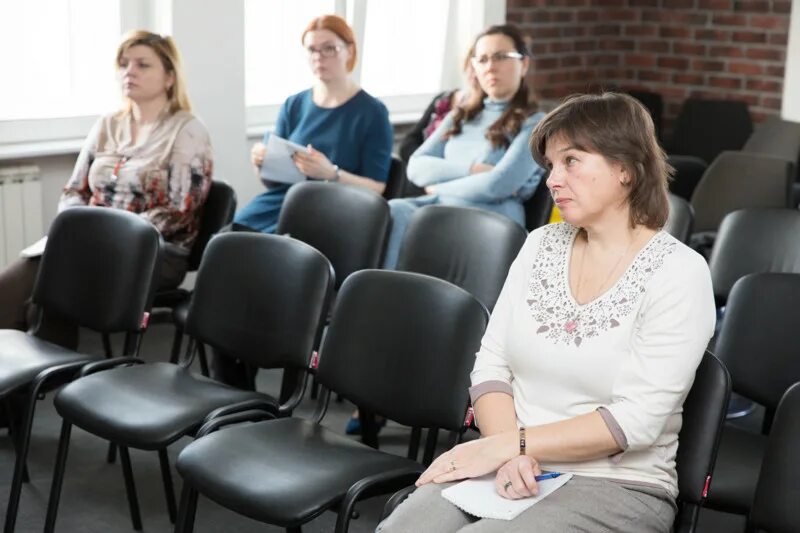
592, 346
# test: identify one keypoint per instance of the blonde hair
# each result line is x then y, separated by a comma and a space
166, 50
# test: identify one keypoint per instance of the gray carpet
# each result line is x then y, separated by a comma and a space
93, 498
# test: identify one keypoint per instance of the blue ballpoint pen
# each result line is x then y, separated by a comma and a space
549, 475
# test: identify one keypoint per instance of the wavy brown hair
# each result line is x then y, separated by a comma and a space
520, 107
620, 129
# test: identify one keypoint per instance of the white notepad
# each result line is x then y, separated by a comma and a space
36, 249
278, 165
479, 497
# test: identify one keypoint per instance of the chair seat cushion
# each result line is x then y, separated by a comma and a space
283, 472
145, 406
170, 297
733, 485
23, 356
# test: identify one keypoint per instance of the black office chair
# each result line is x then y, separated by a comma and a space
261, 298
538, 207
703, 416
400, 345
97, 272
217, 212
396, 184
751, 241
775, 508
705, 128
688, 172
778, 138
739, 180
758, 344
471, 248
654, 103
698, 440
348, 224
681, 218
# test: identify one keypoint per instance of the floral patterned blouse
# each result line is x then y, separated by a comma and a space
630, 354
164, 176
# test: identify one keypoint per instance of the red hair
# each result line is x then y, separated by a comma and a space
339, 26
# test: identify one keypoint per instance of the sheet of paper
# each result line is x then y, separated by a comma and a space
278, 165
479, 497
36, 249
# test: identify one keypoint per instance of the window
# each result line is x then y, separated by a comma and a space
404, 46
63, 64
276, 64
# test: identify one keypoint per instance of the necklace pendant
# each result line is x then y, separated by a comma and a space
571, 325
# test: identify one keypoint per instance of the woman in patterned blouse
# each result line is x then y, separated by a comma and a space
592, 346
153, 157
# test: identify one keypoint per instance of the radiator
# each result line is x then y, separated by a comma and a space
20, 210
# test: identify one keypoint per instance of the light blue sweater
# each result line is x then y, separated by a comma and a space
445, 163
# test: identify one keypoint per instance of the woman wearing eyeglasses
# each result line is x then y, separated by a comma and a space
346, 130
478, 156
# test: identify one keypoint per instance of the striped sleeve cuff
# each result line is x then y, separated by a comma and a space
616, 432
489, 386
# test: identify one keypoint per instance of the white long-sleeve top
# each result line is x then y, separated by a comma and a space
631, 353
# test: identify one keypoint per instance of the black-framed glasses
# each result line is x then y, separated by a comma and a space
328, 50
497, 57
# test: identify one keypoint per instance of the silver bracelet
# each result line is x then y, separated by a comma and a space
336, 173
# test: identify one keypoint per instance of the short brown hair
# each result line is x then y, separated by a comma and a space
167, 51
339, 26
620, 129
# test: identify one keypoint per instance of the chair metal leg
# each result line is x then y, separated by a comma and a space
107, 346
187, 510
201, 355
15, 432
58, 477
296, 529
22, 441
169, 491
177, 343
430, 446
413, 443
130, 488
111, 454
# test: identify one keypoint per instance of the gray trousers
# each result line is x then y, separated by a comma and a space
584, 504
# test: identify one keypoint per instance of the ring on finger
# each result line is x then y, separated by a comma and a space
452, 465
507, 485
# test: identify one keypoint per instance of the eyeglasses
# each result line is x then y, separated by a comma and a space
329, 50
497, 57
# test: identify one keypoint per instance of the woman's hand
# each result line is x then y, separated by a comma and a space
472, 459
314, 164
477, 168
257, 154
517, 478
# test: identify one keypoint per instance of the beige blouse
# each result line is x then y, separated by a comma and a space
164, 176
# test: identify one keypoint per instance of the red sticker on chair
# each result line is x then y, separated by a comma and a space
145, 320
470, 417
314, 360
705, 487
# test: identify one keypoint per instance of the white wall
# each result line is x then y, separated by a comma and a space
791, 82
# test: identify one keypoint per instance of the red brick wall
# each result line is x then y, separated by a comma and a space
721, 49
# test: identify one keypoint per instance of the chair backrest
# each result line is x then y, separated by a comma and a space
754, 240
775, 506
698, 440
217, 212
345, 222
402, 345
396, 184
704, 128
654, 103
758, 338
471, 248
681, 218
688, 171
261, 298
778, 138
99, 269
538, 206
738, 180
